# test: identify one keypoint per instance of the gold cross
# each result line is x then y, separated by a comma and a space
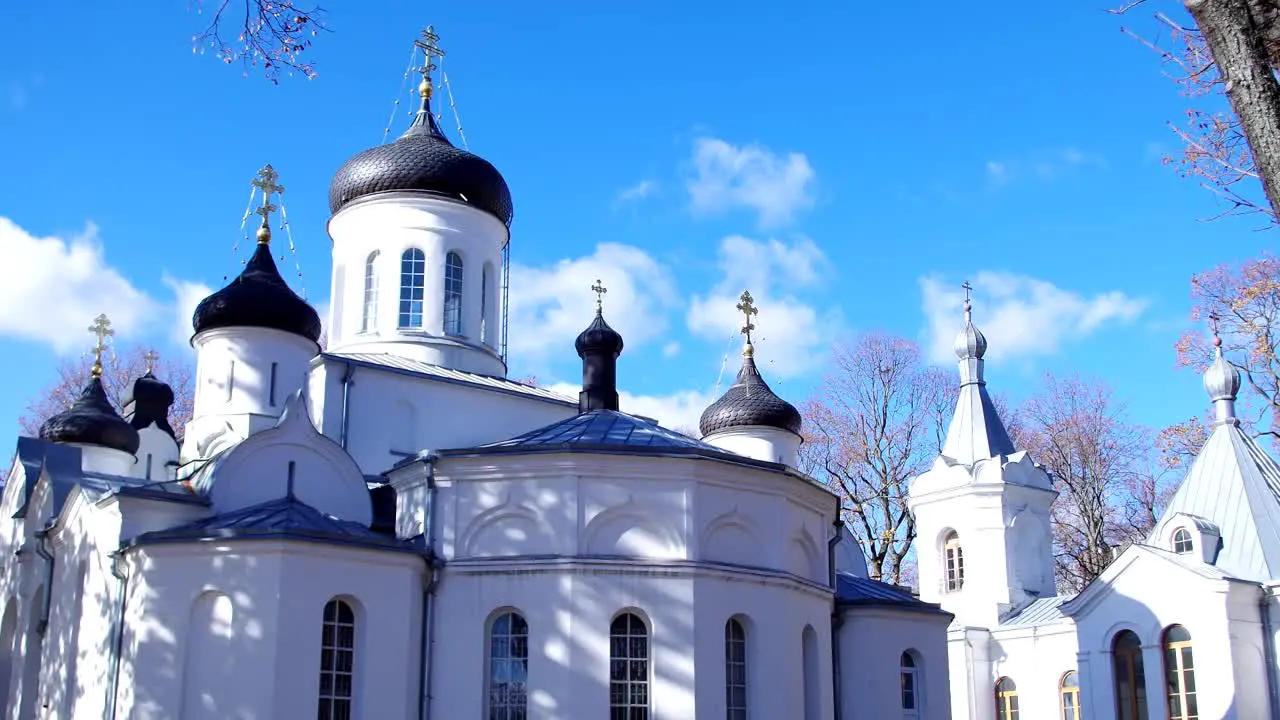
101, 328
429, 44
600, 290
266, 182
748, 308
150, 357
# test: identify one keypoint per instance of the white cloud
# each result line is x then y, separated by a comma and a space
671, 349
1042, 165
186, 295
639, 191
1021, 316
726, 176
550, 305
679, 410
54, 287
790, 336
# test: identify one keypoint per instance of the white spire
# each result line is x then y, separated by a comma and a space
976, 431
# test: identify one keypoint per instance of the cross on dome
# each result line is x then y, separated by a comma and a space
101, 328
266, 182
600, 291
968, 304
748, 308
150, 357
429, 44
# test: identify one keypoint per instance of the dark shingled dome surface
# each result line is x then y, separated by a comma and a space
600, 338
91, 421
151, 398
259, 297
423, 160
749, 401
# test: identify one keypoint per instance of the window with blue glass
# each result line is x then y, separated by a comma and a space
508, 667
453, 294
413, 277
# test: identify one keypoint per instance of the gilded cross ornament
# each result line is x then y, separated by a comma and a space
429, 44
599, 290
150, 358
748, 308
101, 328
266, 182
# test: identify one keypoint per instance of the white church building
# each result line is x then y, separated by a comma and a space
390, 528
1181, 626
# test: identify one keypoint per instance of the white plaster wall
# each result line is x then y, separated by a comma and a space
392, 415
271, 664
569, 606
1036, 659
156, 450
234, 397
761, 443
437, 226
95, 458
872, 640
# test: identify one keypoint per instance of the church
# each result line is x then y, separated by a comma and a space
389, 527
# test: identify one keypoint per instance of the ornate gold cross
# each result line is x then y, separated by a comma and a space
150, 357
429, 44
101, 328
266, 182
600, 290
748, 308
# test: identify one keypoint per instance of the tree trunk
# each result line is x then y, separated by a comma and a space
1238, 48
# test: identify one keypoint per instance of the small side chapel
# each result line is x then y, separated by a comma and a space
391, 527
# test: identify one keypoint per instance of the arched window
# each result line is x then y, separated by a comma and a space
1182, 541
628, 668
453, 294
369, 314
1130, 679
508, 667
953, 563
910, 674
1179, 674
1069, 689
413, 276
735, 670
1006, 700
486, 325
812, 684
337, 661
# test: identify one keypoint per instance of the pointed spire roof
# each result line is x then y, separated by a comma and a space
976, 431
1234, 484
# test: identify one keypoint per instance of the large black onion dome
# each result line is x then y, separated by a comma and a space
598, 338
749, 401
151, 399
258, 297
423, 159
91, 421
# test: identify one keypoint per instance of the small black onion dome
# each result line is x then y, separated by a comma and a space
259, 297
749, 401
423, 159
598, 338
91, 421
151, 400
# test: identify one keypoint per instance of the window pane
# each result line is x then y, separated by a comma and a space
337, 661
508, 667
412, 279
628, 668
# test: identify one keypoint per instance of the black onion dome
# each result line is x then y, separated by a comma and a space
151, 399
91, 421
599, 338
749, 401
259, 297
423, 159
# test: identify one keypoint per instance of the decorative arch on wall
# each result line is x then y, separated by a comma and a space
508, 528
207, 667
628, 528
404, 427
804, 556
732, 537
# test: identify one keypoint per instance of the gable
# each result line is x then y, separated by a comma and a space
1144, 575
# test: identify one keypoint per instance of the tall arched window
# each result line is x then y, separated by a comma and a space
453, 294
735, 670
1130, 679
1182, 541
369, 312
628, 668
413, 276
910, 674
486, 325
1179, 674
1006, 700
1069, 689
809, 667
508, 667
953, 563
337, 661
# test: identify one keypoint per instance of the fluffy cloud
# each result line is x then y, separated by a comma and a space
56, 286
1020, 315
550, 305
726, 177
789, 336
1044, 165
186, 295
678, 411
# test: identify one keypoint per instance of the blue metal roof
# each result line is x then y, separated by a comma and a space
855, 590
285, 517
1040, 611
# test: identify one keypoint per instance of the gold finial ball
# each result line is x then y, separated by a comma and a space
749, 350
425, 89
264, 234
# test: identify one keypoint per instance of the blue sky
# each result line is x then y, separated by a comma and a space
850, 163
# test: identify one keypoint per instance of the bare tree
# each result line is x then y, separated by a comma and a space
1228, 49
118, 373
878, 420
271, 34
1107, 494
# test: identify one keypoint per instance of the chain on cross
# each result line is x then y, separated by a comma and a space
600, 291
748, 308
101, 328
429, 44
266, 182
